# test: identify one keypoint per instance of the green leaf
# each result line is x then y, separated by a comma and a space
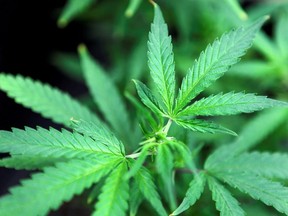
184, 153
225, 202
215, 61
136, 198
100, 134
132, 7
237, 9
203, 126
281, 34
143, 113
229, 104
161, 59
69, 64
115, 194
52, 143
254, 69
264, 44
164, 164
72, 9
137, 164
136, 67
269, 7
19, 162
196, 188
46, 191
42, 98
95, 191
259, 188
148, 98
145, 182
270, 165
105, 95
262, 125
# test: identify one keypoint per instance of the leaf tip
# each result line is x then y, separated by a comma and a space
266, 17
243, 15
153, 3
128, 13
135, 81
82, 48
233, 133
62, 23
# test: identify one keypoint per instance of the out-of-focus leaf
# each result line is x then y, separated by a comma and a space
132, 7
72, 9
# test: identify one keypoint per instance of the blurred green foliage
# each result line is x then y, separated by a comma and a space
122, 29
193, 24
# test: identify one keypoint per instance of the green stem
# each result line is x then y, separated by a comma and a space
133, 156
167, 126
148, 141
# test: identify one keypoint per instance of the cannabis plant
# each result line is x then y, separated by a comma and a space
107, 153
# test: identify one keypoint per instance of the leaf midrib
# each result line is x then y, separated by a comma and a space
187, 93
221, 194
64, 147
114, 192
257, 189
68, 182
160, 42
195, 108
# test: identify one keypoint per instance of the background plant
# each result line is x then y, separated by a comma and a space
152, 127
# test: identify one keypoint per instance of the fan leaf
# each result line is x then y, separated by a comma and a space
136, 198
196, 188
225, 202
115, 194
259, 188
105, 95
100, 134
230, 104
262, 125
164, 164
52, 143
203, 126
270, 165
215, 61
144, 181
148, 98
56, 185
42, 98
161, 59
19, 162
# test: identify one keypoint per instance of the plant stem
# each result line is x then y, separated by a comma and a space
133, 156
167, 126
136, 155
148, 141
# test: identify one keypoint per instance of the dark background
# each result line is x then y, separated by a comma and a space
28, 37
